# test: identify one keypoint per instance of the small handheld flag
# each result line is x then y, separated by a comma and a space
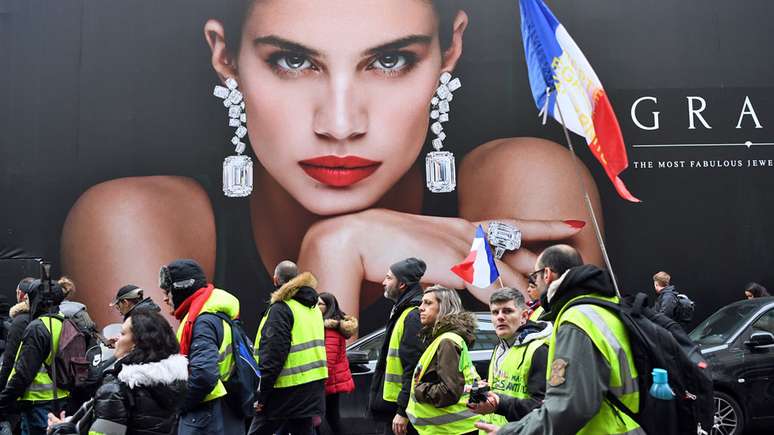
563, 83
478, 268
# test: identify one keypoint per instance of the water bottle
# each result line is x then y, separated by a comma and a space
660, 388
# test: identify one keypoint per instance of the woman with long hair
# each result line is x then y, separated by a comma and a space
338, 328
341, 101
438, 401
754, 290
140, 393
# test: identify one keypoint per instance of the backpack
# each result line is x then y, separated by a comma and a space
70, 368
684, 309
245, 379
659, 342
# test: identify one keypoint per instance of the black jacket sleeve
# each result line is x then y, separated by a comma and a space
668, 304
35, 346
274, 348
514, 409
410, 350
111, 404
203, 371
15, 334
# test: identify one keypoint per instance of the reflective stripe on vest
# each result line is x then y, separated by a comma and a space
511, 380
609, 336
453, 419
42, 387
393, 373
537, 313
217, 299
307, 360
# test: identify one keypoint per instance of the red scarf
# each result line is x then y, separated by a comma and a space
192, 305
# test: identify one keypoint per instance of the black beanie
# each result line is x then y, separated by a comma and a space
182, 278
409, 271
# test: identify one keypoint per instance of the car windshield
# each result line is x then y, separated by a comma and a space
719, 327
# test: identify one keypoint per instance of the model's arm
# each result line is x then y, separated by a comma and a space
122, 231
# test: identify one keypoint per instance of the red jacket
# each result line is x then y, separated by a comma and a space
336, 334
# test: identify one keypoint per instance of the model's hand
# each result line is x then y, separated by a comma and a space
488, 407
489, 429
399, 424
344, 251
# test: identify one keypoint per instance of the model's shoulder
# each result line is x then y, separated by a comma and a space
517, 152
145, 190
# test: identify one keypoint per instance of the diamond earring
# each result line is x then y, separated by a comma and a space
439, 165
238, 169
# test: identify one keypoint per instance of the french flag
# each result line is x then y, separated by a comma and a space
478, 268
562, 78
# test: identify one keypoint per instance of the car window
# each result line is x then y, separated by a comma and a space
719, 327
486, 338
765, 323
371, 346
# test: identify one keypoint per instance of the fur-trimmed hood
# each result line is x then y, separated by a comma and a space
290, 288
20, 308
164, 372
463, 323
346, 326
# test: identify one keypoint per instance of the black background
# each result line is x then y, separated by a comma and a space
93, 90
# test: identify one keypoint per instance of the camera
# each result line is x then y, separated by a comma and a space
478, 393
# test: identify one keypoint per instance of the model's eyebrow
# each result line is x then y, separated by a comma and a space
286, 45
399, 43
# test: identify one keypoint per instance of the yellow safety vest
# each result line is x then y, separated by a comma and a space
609, 336
307, 360
220, 301
42, 387
537, 313
393, 373
511, 380
453, 419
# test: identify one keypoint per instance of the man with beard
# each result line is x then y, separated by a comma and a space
402, 348
589, 357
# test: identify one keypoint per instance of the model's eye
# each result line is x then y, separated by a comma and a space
393, 62
293, 62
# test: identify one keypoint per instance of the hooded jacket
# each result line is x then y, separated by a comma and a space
145, 398
666, 302
512, 408
411, 348
443, 384
20, 318
145, 304
305, 400
336, 334
571, 403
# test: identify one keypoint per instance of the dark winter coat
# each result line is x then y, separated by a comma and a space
144, 398
305, 400
443, 383
411, 348
145, 304
666, 302
336, 334
20, 318
35, 346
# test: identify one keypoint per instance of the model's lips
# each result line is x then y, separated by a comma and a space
338, 171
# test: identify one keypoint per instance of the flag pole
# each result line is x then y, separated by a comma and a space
593, 215
500, 280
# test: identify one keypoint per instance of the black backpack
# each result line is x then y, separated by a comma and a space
684, 309
245, 379
659, 342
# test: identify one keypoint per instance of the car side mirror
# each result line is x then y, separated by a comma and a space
357, 357
760, 339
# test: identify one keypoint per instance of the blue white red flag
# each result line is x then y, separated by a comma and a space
562, 78
478, 268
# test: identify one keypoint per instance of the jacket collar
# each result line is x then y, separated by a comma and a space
20, 308
164, 372
290, 288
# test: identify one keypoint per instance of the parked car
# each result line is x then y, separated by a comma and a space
738, 342
362, 356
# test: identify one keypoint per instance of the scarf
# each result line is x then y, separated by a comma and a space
191, 306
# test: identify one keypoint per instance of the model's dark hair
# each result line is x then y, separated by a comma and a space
332, 310
153, 338
757, 290
560, 258
234, 19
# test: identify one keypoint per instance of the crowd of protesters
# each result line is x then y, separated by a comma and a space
549, 374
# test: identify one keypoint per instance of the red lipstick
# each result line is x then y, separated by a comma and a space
338, 171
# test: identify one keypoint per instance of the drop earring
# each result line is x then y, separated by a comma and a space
238, 169
439, 165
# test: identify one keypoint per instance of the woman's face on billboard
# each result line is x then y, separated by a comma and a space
337, 94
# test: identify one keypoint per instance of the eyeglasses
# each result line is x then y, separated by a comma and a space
532, 277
